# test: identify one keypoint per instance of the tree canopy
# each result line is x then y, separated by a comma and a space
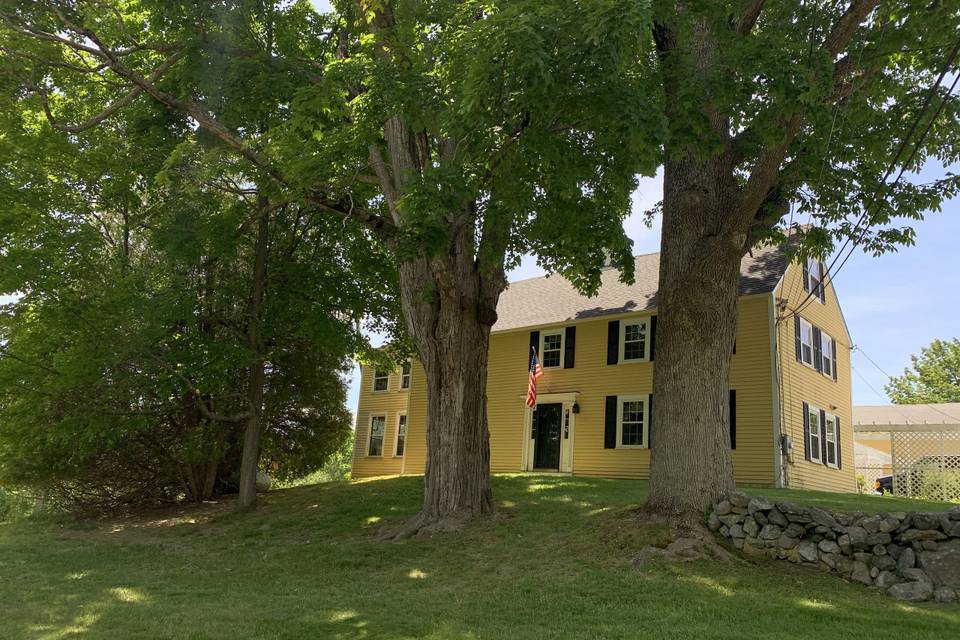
933, 375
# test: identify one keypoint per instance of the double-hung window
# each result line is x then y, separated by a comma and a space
633, 340
551, 349
830, 436
829, 360
632, 422
813, 415
405, 376
401, 434
377, 427
815, 278
381, 380
806, 342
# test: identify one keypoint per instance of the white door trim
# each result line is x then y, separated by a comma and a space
567, 431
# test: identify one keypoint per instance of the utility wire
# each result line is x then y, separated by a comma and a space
889, 377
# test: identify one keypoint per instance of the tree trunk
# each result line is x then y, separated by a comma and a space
449, 306
249, 462
696, 326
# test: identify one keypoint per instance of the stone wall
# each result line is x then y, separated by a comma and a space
911, 556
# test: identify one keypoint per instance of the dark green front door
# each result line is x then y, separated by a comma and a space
546, 436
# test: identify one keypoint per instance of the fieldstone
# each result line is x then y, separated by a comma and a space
879, 550
915, 575
750, 527
731, 519
944, 594
808, 551
906, 560
736, 531
879, 538
870, 524
786, 542
754, 541
858, 537
888, 525
911, 591
770, 532
722, 508
738, 499
955, 531
946, 524
884, 563
739, 510
794, 530
925, 521
725, 530
829, 559
861, 573
943, 565
911, 535
761, 518
753, 550
894, 550
759, 504
886, 579
713, 522
874, 572
823, 518
829, 546
954, 512
844, 565
862, 556
738, 543
777, 518
928, 545
794, 513
793, 555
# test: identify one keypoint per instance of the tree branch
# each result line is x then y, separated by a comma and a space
750, 16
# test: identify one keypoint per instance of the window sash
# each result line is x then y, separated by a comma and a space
381, 380
551, 349
815, 277
826, 348
405, 376
632, 422
830, 434
815, 435
401, 435
806, 342
378, 425
633, 341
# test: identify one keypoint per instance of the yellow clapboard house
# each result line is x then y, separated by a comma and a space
595, 416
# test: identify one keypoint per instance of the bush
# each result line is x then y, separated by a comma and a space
14, 506
939, 485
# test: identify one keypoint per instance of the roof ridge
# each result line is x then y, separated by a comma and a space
550, 275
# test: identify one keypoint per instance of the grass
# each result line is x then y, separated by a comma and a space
554, 564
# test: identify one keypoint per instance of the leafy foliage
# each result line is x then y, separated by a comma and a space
933, 376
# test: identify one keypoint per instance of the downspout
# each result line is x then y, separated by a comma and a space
779, 480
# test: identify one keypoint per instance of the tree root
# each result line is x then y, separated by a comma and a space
691, 541
423, 525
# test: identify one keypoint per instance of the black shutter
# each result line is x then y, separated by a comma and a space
569, 347
833, 350
534, 346
610, 424
822, 289
653, 336
613, 342
806, 431
823, 436
650, 419
733, 418
817, 350
836, 426
806, 276
796, 326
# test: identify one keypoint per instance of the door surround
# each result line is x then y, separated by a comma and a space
567, 430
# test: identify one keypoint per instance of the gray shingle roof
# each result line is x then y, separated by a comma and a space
551, 299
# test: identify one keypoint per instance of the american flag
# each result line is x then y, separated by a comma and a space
536, 372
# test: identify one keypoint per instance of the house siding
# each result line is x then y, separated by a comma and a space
593, 380
800, 384
390, 403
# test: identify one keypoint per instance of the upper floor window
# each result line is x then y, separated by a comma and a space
381, 380
806, 342
830, 436
405, 376
814, 273
632, 421
828, 357
813, 416
401, 434
551, 349
377, 427
633, 340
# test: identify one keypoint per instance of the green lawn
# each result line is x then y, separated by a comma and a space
554, 564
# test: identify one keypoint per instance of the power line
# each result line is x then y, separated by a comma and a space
890, 378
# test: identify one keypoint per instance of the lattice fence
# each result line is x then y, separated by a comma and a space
924, 462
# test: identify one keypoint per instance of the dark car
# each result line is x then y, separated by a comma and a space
883, 484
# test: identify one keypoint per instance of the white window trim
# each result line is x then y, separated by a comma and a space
406, 376
383, 438
645, 398
813, 289
373, 384
809, 327
829, 417
396, 437
563, 340
811, 411
826, 342
645, 321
